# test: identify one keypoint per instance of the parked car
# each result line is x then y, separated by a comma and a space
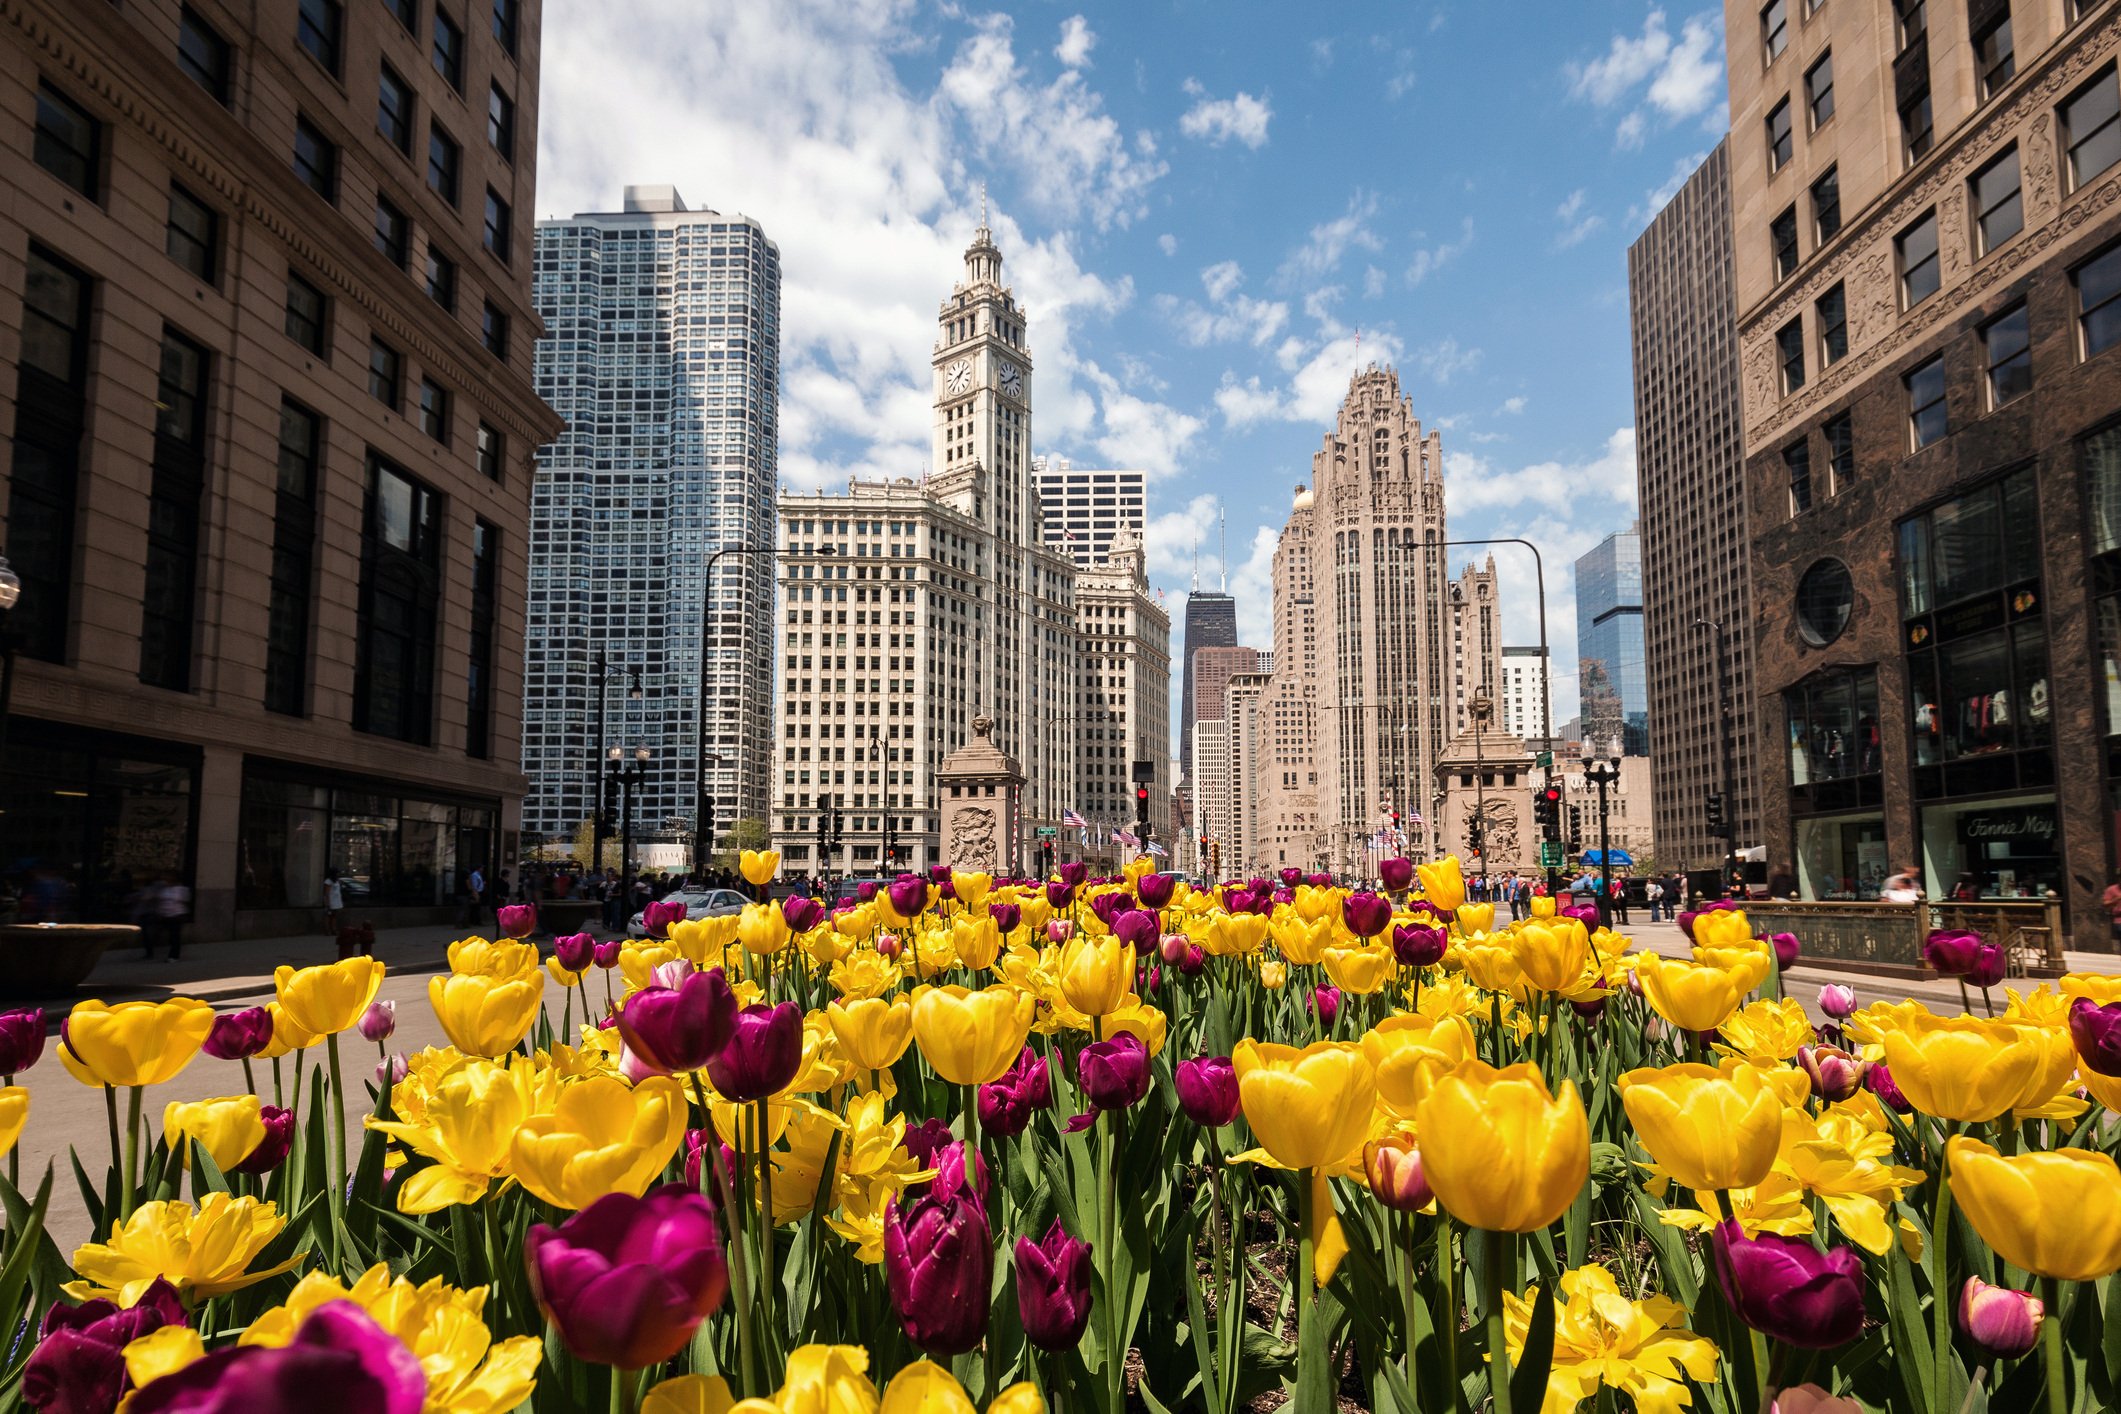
708, 903
852, 888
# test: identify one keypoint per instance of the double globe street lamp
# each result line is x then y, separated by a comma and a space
628, 776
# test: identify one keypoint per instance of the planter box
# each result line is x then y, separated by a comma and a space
558, 917
52, 959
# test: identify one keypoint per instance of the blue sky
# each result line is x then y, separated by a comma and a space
1214, 213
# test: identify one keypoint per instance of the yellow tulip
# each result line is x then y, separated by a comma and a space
288, 1034
330, 998
977, 942
1553, 954
1723, 928
467, 1126
202, 1252
1136, 1018
162, 1352
925, 1388
1601, 1337
1409, 1054
1443, 883
600, 1138
1709, 1130
1752, 960
2057, 1213
1961, 1067
971, 1038
763, 929
864, 973
135, 1043
1235, 935
1309, 1108
2099, 987
971, 889
1020, 1398
1476, 917
14, 1113
826, 1379
1542, 906
483, 1015
1767, 1032
1095, 973
1501, 1151
1316, 905
1273, 975
505, 957
561, 975
1491, 967
872, 1032
1690, 996
1303, 940
1359, 970
759, 865
228, 1128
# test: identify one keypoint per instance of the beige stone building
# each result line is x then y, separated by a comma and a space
1927, 213
1122, 694
265, 341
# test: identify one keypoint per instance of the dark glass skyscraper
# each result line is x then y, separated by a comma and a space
1211, 622
1611, 688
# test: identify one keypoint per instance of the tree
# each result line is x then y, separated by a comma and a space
585, 843
740, 836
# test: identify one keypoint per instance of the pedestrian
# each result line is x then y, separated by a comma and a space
334, 900
1653, 891
1620, 899
475, 894
169, 906
1902, 887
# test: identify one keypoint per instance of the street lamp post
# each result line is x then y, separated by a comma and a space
1725, 727
598, 830
629, 778
1482, 708
10, 595
702, 813
1603, 775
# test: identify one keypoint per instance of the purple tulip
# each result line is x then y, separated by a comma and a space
1319, 881
239, 1035
683, 1027
1366, 914
1590, 1010
908, 894
925, 1140
657, 917
516, 920
1136, 927
78, 1363
1951, 951
1059, 930
803, 913
1789, 1290
1416, 946
1155, 890
575, 951
379, 1023
627, 1280
1989, 966
1008, 917
1837, 1001
1207, 1091
2097, 1031
1396, 874
271, 1151
1786, 948
1114, 1074
391, 1070
1194, 962
1073, 873
1834, 1073
340, 1360
1053, 1288
938, 874
1108, 907
1171, 947
2003, 1322
765, 1051
606, 955
1237, 900
21, 1039
1290, 878
1006, 1106
939, 1266
1586, 914
1327, 1002
865, 890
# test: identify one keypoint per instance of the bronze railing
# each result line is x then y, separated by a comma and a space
2030, 932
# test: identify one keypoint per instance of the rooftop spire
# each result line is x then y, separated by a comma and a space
1222, 529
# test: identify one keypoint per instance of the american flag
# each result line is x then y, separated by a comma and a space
1158, 850
1069, 817
1125, 838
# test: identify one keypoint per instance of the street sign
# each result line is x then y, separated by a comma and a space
1544, 761
1551, 855
1048, 832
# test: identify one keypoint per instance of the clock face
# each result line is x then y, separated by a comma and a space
1012, 379
957, 378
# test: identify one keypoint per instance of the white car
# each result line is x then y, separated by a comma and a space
709, 903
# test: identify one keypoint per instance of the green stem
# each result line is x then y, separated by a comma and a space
336, 1114
132, 1147
739, 1268
2051, 1338
1941, 1283
1407, 1295
1306, 1282
623, 1385
110, 1109
1498, 1342
1448, 1326
768, 1285
1107, 1226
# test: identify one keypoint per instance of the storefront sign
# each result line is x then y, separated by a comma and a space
2030, 823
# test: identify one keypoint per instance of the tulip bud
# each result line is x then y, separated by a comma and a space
1327, 1001
927, 1139
802, 913
1591, 1010
1053, 1288
1789, 1290
627, 1280
1007, 917
271, 1151
1290, 878
1171, 947
865, 890
683, 1027
1207, 1090
887, 945
2096, 1030
379, 1022
1273, 975
2003, 1322
575, 951
1879, 1081
939, 1267
1074, 873
21, 1040
1114, 1074
1059, 930
1834, 1073
1950, 951
517, 920
1416, 946
1786, 949
1393, 1168
1365, 914
764, 1052
1837, 1001
1319, 881
606, 955
391, 1070
908, 894
1155, 890
239, 1035
1194, 962
1989, 966
1396, 874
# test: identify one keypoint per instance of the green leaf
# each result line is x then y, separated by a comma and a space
26, 1247
1528, 1382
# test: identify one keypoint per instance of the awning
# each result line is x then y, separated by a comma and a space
1621, 859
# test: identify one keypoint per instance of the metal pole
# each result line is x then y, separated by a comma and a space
1723, 714
702, 831
597, 833
1546, 685
1605, 850
626, 843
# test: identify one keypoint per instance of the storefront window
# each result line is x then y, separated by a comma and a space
390, 850
2101, 457
280, 855
1993, 849
1833, 727
1841, 856
88, 820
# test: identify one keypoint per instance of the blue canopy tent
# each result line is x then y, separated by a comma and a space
1621, 858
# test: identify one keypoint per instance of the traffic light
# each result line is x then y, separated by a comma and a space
1215, 859
1546, 809
1717, 824
1141, 804
1474, 838
1575, 827
839, 824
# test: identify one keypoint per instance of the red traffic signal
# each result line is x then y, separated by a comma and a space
1552, 795
1141, 794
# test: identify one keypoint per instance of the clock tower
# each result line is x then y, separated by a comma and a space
983, 396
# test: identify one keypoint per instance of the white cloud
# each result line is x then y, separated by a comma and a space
1445, 360
1675, 78
1216, 121
1628, 136
1330, 240
1135, 431
1319, 374
1229, 316
1076, 41
1430, 259
1574, 230
1472, 483
1167, 243
1512, 406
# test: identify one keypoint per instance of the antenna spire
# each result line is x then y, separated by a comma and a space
1196, 561
983, 203
1222, 527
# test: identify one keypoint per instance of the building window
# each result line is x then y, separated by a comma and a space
51, 414
441, 278
393, 233
1789, 351
394, 110
1911, 18
1993, 60
2008, 345
1916, 126
1917, 251
1840, 436
2091, 128
1825, 595
497, 233
1925, 403
177, 488
405, 12
1826, 206
501, 123
306, 312
444, 158
401, 592
318, 26
449, 50
1778, 136
1797, 462
478, 680
1833, 311
2098, 287
493, 330
1775, 28
491, 449
505, 24
1999, 212
69, 143
316, 160
1782, 235
293, 559
1819, 89
386, 373
434, 410
204, 54
193, 233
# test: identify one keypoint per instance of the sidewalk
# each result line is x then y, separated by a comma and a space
243, 967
